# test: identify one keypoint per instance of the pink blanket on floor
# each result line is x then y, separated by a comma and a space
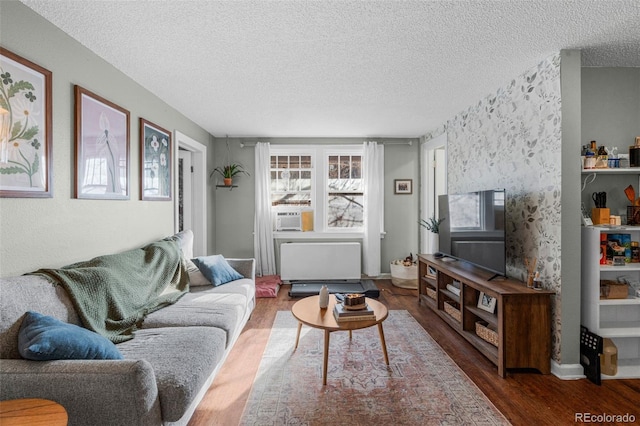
268, 285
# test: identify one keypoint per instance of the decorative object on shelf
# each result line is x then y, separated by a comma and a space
324, 297
634, 154
229, 170
486, 302
403, 186
531, 270
25, 128
609, 358
404, 273
102, 147
432, 225
155, 162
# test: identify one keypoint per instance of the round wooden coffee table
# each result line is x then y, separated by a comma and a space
307, 311
31, 412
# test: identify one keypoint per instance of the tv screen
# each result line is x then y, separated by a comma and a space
473, 229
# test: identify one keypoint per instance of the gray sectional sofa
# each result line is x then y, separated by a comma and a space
167, 367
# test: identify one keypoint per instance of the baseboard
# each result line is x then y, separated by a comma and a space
567, 371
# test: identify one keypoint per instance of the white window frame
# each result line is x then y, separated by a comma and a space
319, 190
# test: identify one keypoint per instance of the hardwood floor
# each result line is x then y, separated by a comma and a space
524, 398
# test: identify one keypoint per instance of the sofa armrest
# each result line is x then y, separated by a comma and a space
105, 392
246, 267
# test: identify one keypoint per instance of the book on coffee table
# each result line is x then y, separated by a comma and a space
342, 314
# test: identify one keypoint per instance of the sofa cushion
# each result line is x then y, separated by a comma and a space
44, 338
29, 293
183, 359
212, 307
216, 269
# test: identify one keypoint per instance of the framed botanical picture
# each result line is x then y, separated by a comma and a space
25, 128
102, 148
403, 186
155, 162
486, 302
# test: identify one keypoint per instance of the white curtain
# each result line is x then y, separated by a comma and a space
373, 166
263, 228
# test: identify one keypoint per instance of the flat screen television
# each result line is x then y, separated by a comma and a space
473, 228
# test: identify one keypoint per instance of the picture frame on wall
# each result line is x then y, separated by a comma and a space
25, 128
403, 186
486, 302
156, 162
102, 147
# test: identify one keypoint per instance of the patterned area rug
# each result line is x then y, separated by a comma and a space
421, 386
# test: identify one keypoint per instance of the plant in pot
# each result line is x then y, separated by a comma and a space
229, 171
432, 225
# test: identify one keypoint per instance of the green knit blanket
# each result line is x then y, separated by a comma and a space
114, 293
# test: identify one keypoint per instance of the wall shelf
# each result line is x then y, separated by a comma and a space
227, 186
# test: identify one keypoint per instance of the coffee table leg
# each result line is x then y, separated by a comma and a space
325, 361
349, 334
298, 335
383, 343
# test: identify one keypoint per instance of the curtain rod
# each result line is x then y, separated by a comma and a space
251, 145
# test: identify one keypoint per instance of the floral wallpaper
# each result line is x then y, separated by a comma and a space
512, 139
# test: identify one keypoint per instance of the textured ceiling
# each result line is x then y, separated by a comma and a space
348, 68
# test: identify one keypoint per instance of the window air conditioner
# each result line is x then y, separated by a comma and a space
288, 221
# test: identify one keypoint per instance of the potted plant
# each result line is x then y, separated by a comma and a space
404, 272
229, 171
433, 225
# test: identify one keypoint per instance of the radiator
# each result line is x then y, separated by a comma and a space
320, 261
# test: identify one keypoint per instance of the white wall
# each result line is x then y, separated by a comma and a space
53, 232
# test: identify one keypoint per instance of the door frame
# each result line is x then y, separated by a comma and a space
427, 185
199, 190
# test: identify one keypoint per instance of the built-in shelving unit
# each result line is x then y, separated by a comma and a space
520, 323
617, 319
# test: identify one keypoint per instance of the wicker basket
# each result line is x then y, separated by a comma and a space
487, 334
404, 276
452, 309
431, 293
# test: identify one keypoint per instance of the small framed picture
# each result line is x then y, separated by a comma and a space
403, 186
25, 128
486, 302
102, 147
155, 162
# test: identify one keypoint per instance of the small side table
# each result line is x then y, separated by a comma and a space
32, 412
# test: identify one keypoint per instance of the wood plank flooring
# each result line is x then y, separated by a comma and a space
525, 398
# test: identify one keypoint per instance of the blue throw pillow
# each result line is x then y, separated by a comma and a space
216, 269
44, 338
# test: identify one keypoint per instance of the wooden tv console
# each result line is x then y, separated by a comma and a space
519, 326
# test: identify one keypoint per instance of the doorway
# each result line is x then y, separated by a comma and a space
433, 171
191, 189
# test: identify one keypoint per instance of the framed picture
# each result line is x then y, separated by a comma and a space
25, 128
155, 162
102, 148
486, 302
403, 186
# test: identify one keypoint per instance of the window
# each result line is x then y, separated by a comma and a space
345, 196
326, 179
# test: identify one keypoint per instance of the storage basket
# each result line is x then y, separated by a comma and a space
452, 309
431, 293
486, 333
613, 290
404, 276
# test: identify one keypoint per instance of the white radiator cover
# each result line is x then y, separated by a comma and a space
320, 261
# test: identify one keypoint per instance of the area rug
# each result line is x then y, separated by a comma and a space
421, 386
